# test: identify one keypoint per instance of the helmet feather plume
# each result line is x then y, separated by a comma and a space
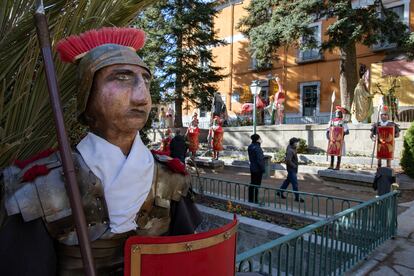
74, 47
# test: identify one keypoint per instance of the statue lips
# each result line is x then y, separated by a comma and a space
138, 113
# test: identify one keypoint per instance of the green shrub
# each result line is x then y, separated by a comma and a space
407, 159
280, 156
302, 147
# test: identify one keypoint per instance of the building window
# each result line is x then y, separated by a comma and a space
401, 8
203, 112
235, 97
314, 53
310, 98
205, 63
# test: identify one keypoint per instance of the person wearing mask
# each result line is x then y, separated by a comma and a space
257, 166
292, 169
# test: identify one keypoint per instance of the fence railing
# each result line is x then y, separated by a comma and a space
316, 205
201, 124
328, 247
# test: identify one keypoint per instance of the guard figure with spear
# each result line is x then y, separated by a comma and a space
335, 134
383, 133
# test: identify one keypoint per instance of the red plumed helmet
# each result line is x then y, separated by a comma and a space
342, 109
74, 47
384, 110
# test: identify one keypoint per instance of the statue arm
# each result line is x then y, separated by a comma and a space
397, 131
346, 129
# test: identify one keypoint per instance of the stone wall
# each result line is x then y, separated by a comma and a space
357, 141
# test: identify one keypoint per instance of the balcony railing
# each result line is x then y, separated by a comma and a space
315, 205
329, 247
348, 229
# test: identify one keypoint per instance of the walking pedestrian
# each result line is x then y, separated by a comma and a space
257, 166
292, 169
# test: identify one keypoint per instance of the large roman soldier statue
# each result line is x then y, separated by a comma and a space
336, 132
384, 133
192, 136
126, 191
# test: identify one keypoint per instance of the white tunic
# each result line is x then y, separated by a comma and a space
126, 179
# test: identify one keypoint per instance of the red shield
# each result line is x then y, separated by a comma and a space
336, 141
385, 147
208, 253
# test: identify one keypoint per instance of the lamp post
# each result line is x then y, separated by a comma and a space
255, 89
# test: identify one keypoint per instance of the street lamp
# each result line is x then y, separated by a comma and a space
255, 89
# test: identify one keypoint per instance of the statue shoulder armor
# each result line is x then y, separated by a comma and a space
172, 179
44, 196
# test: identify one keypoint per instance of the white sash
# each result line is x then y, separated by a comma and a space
126, 180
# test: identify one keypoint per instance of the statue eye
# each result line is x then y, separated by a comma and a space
146, 78
123, 77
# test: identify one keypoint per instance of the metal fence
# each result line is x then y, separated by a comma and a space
308, 120
328, 247
316, 205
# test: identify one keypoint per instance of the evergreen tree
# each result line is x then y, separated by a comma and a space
180, 35
271, 24
407, 159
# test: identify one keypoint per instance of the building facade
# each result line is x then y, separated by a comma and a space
309, 78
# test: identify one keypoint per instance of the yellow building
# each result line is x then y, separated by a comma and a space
310, 78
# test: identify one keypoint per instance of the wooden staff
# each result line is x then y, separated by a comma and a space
376, 135
64, 148
330, 117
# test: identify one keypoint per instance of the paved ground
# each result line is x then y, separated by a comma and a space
396, 256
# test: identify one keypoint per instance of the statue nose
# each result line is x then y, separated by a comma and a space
139, 94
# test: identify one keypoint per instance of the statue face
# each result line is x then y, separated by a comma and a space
384, 117
338, 114
120, 99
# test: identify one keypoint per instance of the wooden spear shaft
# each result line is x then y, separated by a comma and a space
64, 148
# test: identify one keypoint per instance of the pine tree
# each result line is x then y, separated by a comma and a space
271, 24
407, 159
180, 35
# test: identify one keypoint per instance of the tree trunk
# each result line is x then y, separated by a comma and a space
178, 122
348, 75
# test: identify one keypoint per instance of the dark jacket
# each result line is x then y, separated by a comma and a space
256, 158
383, 180
178, 147
291, 159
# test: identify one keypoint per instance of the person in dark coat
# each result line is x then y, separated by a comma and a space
383, 180
257, 166
178, 147
292, 168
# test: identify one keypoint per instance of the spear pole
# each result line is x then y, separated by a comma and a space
64, 148
376, 134
330, 117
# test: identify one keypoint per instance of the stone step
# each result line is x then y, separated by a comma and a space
348, 176
207, 162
